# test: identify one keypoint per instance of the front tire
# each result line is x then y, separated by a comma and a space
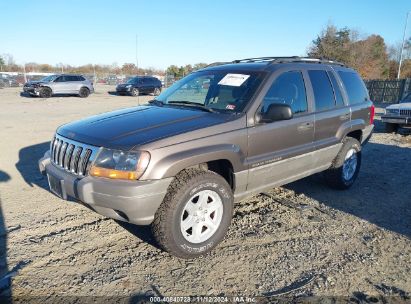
195, 214
391, 127
135, 92
346, 165
45, 93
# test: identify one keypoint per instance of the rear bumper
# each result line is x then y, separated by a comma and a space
366, 135
401, 120
130, 201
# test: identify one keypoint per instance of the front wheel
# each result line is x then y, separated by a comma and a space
135, 92
195, 214
346, 165
45, 93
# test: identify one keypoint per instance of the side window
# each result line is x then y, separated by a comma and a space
337, 91
80, 78
289, 89
354, 86
71, 78
323, 92
60, 79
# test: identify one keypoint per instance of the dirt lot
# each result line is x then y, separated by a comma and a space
305, 239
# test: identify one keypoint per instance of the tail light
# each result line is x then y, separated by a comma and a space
372, 114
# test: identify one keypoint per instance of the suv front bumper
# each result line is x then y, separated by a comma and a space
130, 201
401, 120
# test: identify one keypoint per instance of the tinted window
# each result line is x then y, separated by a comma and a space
60, 79
337, 91
71, 78
354, 86
289, 89
323, 92
80, 78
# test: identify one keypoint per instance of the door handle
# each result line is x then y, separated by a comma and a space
344, 116
305, 126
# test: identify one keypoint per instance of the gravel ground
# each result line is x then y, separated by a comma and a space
301, 239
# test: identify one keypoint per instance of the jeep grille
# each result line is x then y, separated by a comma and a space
405, 112
72, 156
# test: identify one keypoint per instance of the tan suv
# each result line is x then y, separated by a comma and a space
215, 137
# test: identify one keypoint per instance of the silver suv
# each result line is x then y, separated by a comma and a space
60, 84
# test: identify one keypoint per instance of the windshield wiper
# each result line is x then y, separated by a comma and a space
191, 104
156, 102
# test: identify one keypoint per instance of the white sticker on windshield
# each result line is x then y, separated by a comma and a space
234, 80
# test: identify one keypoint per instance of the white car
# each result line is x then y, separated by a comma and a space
398, 115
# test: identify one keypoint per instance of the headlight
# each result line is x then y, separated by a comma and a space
392, 111
118, 164
128, 86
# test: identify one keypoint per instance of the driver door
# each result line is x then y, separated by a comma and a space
280, 150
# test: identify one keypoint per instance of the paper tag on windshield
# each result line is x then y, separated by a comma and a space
234, 80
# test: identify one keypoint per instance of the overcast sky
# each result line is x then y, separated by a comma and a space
182, 32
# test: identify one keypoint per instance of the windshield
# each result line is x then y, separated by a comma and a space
407, 98
215, 90
48, 78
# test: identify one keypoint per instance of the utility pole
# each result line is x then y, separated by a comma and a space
403, 44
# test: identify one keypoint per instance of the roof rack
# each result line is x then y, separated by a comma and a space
272, 60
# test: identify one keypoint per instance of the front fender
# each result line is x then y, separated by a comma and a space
170, 165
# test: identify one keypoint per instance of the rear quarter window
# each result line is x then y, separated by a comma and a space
354, 87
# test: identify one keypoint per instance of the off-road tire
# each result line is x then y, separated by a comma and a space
45, 92
84, 92
135, 92
334, 175
166, 226
391, 127
157, 91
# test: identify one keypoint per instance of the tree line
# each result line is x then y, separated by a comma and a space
369, 55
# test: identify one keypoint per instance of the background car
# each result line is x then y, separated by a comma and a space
60, 84
140, 85
398, 115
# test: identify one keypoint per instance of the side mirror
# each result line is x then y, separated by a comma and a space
276, 112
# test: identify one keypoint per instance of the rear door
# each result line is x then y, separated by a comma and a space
72, 84
280, 150
357, 96
332, 114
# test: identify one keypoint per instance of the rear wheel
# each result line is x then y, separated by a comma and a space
195, 214
346, 165
135, 92
156, 92
391, 127
84, 92
45, 92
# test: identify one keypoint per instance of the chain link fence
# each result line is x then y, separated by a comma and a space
388, 91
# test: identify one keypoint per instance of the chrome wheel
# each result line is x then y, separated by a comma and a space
135, 92
350, 164
201, 216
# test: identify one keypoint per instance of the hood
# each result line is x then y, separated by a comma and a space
29, 83
404, 105
131, 127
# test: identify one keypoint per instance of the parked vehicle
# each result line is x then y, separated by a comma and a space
60, 84
181, 162
398, 115
9, 81
140, 85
